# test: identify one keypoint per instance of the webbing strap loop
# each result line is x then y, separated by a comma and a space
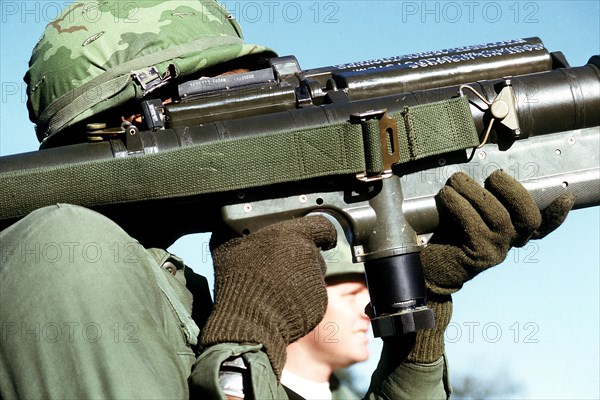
380, 134
435, 128
414, 133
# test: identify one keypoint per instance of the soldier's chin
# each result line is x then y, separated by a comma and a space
361, 349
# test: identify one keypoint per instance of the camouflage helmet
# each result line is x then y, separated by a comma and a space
339, 259
98, 55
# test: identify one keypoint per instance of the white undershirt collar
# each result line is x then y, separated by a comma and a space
308, 389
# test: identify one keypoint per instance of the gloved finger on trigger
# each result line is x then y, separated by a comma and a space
524, 213
318, 228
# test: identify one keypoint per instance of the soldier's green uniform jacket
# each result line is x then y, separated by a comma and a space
87, 312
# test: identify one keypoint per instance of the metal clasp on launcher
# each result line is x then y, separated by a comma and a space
503, 109
98, 132
388, 138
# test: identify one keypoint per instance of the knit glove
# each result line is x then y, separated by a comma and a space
269, 286
477, 228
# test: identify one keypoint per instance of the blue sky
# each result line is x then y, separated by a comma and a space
536, 317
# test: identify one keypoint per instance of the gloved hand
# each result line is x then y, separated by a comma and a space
477, 228
269, 286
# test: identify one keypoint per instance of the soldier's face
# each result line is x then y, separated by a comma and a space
341, 337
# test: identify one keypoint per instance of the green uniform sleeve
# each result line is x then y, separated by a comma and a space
204, 381
410, 381
405, 381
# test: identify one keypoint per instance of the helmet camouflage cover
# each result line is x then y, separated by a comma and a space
98, 55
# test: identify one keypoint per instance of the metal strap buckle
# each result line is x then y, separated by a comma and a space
388, 138
502, 109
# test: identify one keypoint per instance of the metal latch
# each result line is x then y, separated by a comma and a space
388, 138
150, 79
503, 109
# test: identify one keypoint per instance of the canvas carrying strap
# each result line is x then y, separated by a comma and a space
251, 161
424, 130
